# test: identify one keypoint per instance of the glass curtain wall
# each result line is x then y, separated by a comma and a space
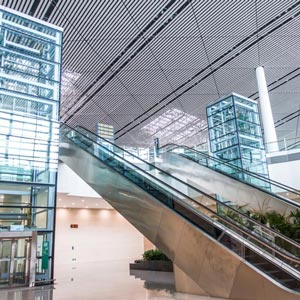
30, 72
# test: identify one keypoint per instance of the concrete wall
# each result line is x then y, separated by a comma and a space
102, 235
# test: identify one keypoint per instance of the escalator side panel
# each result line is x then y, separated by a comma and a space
133, 203
209, 264
228, 188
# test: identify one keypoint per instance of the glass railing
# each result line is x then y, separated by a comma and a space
19, 169
231, 233
280, 191
283, 145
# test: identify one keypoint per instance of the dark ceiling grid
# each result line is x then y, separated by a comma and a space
42, 8
266, 32
266, 9
284, 102
180, 53
287, 119
290, 86
149, 76
289, 131
115, 73
206, 87
217, 48
221, 17
280, 75
83, 77
71, 13
205, 48
285, 76
280, 55
50, 9
174, 12
24, 6
145, 81
195, 104
86, 41
109, 103
239, 80
33, 6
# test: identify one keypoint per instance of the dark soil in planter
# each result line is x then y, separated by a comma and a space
152, 265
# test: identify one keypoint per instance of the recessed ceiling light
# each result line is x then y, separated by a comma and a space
59, 199
82, 200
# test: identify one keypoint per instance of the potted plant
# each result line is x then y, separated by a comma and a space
153, 260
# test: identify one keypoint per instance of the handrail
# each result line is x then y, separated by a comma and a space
274, 182
190, 199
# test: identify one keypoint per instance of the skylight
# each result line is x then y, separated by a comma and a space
174, 125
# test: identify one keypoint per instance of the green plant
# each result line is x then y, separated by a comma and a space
295, 216
233, 212
259, 217
155, 254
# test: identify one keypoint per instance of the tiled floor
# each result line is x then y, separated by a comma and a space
102, 280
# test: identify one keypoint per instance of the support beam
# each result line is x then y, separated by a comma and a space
270, 136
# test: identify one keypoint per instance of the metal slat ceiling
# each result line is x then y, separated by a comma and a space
127, 62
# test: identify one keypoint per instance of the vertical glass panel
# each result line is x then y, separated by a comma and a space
19, 271
41, 218
5, 249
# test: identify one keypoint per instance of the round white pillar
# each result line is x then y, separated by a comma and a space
270, 136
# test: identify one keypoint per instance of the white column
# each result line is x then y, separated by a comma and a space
270, 136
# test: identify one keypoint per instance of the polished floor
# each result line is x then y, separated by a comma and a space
103, 280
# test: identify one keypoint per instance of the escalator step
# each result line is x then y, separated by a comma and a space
287, 280
273, 272
261, 264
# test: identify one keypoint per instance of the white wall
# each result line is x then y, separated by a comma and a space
286, 172
102, 235
69, 182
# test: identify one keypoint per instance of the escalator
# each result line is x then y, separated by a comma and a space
225, 258
229, 182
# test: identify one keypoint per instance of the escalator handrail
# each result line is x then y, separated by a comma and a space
274, 182
184, 183
210, 220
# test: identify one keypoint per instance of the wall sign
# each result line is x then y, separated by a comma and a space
45, 255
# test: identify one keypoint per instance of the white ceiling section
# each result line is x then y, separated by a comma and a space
127, 62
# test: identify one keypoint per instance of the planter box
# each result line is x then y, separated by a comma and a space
152, 265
